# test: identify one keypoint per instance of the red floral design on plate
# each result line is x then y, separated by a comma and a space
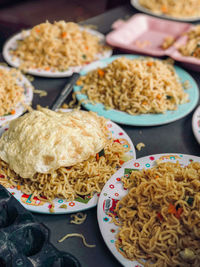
136, 164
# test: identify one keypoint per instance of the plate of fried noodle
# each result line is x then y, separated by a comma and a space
196, 124
55, 49
135, 90
64, 189
16, 94
148, 211
182, 10
187, 48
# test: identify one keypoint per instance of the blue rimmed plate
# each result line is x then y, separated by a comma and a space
143, 119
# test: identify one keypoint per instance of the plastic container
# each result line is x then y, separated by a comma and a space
143, 34
24, 242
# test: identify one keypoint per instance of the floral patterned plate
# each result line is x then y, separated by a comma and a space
28, 96
62, 206
11, 44
136, 4
114, 191
196, 124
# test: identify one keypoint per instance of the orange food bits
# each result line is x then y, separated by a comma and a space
64, 34
78, 82
18, 187
160, 217
177, 211
13, 112
150, 63
158, 96
37, 29
144, 103
164, 9
121, 162
97, 156
101, 72
171, 209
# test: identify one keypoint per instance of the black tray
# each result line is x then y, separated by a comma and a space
24, 242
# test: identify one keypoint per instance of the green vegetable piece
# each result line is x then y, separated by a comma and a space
128, 171
190, 201
101, 153
63, 206
169, 97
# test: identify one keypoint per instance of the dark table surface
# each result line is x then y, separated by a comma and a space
176, 137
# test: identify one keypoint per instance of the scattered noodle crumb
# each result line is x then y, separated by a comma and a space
29, 77
77, 235
78, 218
52, 208
186, 84
27, 107
73, 103
142, 44
90, 26
40, 92
168, 41
139, 146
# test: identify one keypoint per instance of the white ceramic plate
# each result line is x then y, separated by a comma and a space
136, 4
28, 96
142, 119
62, 206
12, 44
114, 191
196, 124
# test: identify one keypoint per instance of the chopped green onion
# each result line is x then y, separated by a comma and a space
190, 201
169, 97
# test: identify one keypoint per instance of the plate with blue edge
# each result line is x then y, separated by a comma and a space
142, 119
